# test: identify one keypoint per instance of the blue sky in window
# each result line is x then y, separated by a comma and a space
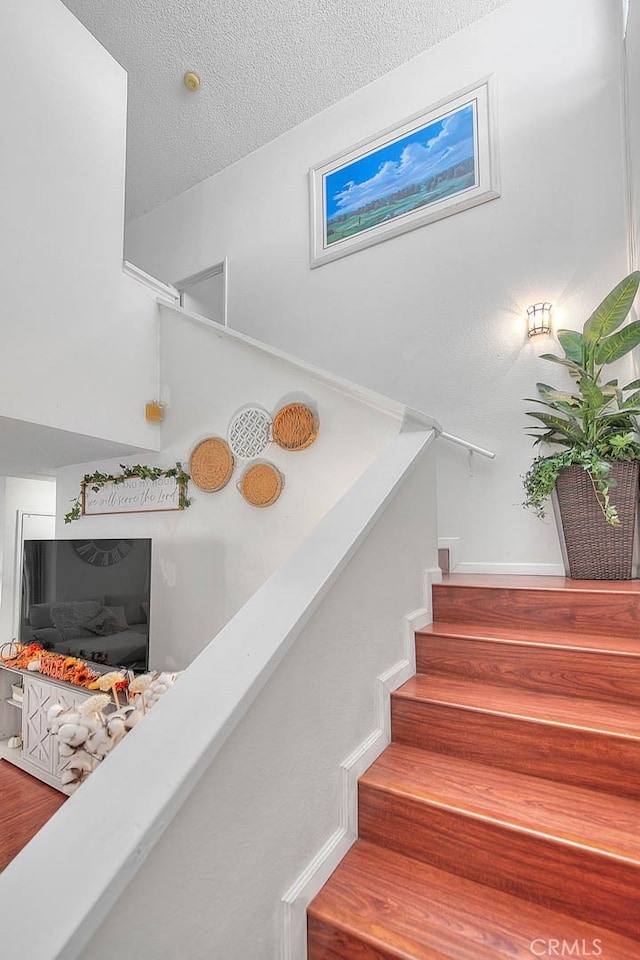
420, 155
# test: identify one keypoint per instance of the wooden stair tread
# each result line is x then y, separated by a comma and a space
584, 642
604, 823
576, 712
518, 582
412, 910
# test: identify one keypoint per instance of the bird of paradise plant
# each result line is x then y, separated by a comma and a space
596, 423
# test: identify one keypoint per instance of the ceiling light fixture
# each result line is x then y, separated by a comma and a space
192, 81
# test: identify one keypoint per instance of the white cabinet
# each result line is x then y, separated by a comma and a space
39, 754
10, 709
37, 743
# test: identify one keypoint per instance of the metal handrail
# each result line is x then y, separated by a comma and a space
469, 446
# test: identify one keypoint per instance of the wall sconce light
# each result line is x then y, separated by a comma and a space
539, 319
154, 411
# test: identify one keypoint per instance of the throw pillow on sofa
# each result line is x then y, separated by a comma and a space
70, 618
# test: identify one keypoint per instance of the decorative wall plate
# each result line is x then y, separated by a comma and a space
261, 484
211, 464
249, 432
295, 426
102, 553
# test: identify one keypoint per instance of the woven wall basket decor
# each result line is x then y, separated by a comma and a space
295, 427
211, 464
249, 432
261, 484
594, 549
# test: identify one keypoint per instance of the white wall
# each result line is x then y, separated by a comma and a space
26, 496
632, 49
209, 559
435, 317
269, 801
207, 298
78, 338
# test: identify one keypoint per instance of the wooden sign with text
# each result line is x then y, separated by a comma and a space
133, 495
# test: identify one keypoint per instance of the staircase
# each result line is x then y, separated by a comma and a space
503, 821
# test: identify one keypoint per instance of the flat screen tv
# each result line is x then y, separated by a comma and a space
88, 599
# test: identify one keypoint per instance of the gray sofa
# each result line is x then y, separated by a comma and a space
112, 630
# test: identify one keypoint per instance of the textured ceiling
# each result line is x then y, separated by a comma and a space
265, 66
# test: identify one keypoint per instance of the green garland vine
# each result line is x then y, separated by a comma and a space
97, 480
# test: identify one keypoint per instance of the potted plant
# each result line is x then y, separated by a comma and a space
593, 475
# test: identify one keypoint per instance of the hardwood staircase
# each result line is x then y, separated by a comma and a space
503, 821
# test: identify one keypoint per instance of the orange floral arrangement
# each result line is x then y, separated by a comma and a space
25, 656
67, 668
55, 665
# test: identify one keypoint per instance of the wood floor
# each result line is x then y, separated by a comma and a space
503, 820
25, 806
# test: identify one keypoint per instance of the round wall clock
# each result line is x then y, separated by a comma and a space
102, 553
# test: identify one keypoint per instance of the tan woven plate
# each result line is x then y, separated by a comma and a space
261, 484
295, 427
211, 464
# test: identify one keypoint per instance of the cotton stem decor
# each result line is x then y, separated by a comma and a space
88, 733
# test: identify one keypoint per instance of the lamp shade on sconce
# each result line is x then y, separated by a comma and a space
539, 319
154, 411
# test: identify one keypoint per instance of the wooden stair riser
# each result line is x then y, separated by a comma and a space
327, 941
585, 883
555, 752
611, 677
595, 612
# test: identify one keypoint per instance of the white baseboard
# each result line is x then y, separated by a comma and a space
519, 569
294, 903
431, 576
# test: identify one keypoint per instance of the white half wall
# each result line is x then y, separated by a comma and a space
271, 798
434, 318
79, 339
210, 558
248, 749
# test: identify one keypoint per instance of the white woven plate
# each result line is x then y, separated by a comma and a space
249, 432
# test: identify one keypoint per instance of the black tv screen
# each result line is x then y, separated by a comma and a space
88, 599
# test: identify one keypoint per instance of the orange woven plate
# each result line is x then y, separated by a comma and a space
211, 464
295, 427
261, 484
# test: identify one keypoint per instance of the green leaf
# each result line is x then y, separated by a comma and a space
625, 415
618, 344
574, 368
552, 394
558, 425
571, 409
613, 309
634, 385
592, 393
573, 344
631, 401
611, 389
